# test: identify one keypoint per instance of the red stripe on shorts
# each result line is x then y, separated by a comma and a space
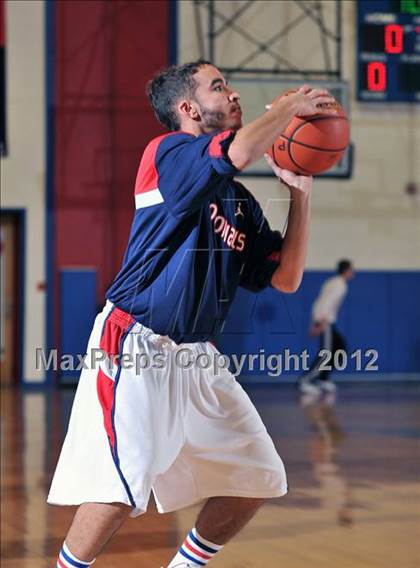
105, 389
116, 325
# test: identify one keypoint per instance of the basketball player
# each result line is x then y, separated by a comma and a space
324, 316
183, 431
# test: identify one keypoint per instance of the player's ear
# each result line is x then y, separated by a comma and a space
187, 108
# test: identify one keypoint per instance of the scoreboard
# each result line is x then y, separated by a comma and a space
388, 50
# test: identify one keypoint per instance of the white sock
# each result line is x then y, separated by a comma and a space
195, 551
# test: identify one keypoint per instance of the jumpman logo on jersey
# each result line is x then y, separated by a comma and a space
239, 210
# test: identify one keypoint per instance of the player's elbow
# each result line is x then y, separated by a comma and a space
286, 285
241, 161
288, 288
240, 156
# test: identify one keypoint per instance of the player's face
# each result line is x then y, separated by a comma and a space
218, 104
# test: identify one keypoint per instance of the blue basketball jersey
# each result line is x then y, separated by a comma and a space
196, 236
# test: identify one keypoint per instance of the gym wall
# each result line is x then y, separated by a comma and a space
23, 169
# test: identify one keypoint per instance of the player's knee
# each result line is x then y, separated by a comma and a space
255, 503
121, 510
111, 513
259, 502
117, 514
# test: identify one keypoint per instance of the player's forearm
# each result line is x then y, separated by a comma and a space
253, 139
288, 276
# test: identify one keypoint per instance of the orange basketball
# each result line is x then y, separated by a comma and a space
313, 144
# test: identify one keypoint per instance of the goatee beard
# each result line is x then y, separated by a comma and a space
213, 119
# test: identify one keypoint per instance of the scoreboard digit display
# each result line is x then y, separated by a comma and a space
388, 50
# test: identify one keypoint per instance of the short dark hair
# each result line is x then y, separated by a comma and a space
343, 265
168, 86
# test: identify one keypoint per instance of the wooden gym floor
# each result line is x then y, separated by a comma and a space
354, 488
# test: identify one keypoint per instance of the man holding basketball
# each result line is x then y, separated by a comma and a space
182, 431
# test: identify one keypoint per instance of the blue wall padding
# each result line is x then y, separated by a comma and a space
78, 311
404, 327
381, 312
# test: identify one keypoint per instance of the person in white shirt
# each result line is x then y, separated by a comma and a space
324, 316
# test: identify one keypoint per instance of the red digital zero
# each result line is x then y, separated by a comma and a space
376, 76
394, 38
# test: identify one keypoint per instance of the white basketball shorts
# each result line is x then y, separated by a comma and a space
148, 416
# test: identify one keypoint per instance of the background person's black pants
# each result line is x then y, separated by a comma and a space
332, 341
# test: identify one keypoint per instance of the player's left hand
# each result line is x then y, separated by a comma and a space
293, 181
